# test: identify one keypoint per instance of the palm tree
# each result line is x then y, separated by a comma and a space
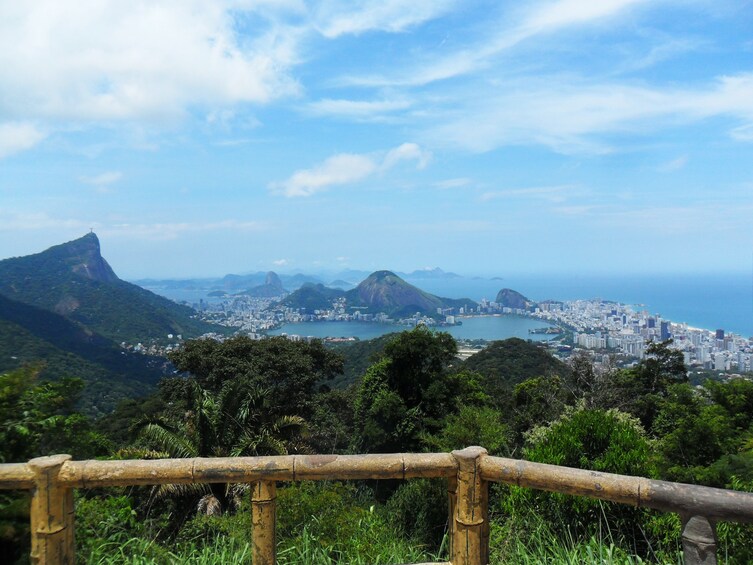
236, 422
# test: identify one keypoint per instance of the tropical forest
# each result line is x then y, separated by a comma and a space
406, 392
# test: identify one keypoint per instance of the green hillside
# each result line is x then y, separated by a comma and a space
512, 361
357, 357
75, 281
312, 297
30, 335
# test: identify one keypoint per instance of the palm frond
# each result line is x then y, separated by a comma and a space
173, 443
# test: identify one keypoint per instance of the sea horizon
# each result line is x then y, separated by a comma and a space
707, 301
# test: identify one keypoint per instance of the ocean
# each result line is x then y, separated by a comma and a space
723, 301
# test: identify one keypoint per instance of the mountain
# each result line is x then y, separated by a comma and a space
512, 299
312, 297
435, 273
384, 291
30, 335
341, 284
512, 361
271, 288
74, 281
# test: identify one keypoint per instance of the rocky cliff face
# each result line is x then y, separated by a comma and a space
512, 299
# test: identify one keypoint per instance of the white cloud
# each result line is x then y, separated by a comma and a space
406, 152
18, 136
145, 59
103, 181
743, 133
569, 115
357, 109
336, 18
555, 15
544, 18
339, 169
348, 168
280, 262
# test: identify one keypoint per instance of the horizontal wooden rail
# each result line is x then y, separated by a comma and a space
128, 472
468, 472
680, 498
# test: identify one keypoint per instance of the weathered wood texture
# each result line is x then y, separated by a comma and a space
683, 499
263, 523
52, 538
52, 480
97, 474
471, 507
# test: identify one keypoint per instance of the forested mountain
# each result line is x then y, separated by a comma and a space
75, 281
312, 297
382, 291
64, 348
512, 361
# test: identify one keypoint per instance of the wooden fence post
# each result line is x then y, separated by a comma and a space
470, 531
263, 520
452, 500
698, 541
52, 535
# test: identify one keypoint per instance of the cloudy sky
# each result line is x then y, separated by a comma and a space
488, 138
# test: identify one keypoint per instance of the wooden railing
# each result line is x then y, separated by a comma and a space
468, 473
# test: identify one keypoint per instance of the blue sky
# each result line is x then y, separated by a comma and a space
488, 138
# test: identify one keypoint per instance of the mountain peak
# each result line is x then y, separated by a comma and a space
381, 276
272, 279
84, 258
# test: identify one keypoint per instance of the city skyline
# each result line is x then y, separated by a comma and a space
199, 139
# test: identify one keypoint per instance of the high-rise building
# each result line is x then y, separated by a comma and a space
665, 335
720, 334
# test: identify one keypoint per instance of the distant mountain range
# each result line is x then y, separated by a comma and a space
251, 283
381, 291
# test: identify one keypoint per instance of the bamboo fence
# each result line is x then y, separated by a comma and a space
468, 473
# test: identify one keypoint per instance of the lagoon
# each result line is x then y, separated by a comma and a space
477, 327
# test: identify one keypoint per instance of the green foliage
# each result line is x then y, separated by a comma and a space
286, 370
530, 540
419, 508
357, 357
100, 520
511, 361
407, 393
607, 441
483, 426
641, 390
39, 418
64, 348
416, 359
535, 402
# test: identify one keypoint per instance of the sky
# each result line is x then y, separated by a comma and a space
199, 138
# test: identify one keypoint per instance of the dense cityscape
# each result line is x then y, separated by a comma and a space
608, 330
